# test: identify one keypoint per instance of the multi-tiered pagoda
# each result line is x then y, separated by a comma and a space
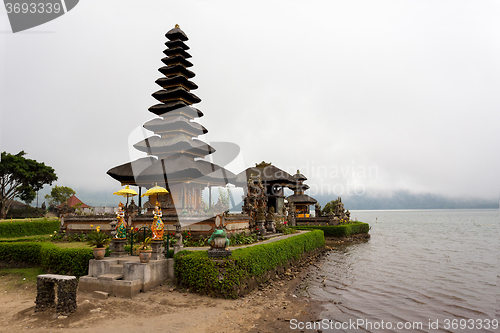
175, 155
300, 200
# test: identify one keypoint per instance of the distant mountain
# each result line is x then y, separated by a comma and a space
408, 200
398, 200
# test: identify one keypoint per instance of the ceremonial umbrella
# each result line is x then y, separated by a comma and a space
126, 192
155, 190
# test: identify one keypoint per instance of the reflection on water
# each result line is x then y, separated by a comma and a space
418, 266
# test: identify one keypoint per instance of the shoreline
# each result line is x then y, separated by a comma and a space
352, 239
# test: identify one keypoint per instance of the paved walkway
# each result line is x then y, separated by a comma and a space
274, 239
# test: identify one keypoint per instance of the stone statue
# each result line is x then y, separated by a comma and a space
132, 207
255, 203
157, 227
121, 227
317, 209
270, 224
218, 241
291, 215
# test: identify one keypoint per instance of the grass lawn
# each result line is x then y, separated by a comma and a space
73, 245
31, 219
33, 238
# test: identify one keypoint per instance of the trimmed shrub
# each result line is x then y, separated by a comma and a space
25, 252
342, 230
47, 255
66, 261
27, 228
223, 277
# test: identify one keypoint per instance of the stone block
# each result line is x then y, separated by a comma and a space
66, 293
100, 294
100, 267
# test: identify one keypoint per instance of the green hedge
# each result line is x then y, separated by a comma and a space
48, 256
195, 270
26, 228
342, 230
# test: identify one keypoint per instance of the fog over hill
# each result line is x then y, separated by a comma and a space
408, 200
397, 200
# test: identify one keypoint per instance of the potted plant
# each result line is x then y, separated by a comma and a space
145, 250
99, 240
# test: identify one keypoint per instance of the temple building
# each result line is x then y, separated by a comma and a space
300, 200
274, 180
175, 155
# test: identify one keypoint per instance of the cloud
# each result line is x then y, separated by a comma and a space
409, 88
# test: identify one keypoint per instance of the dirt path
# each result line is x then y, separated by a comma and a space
268, 309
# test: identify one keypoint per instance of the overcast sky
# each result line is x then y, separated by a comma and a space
363, 96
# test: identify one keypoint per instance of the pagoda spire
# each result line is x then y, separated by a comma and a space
175, 132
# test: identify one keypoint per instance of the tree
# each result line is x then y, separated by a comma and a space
224, 197
329, 208
59, 195
21, 178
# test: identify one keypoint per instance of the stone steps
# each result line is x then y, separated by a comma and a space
110, 277
267, 236
116, 269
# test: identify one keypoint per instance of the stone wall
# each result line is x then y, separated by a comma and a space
198, 225
324, 220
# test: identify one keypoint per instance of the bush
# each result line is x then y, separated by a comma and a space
25, 252
27, 228
66, 261
195, 270
47, 255
342, 230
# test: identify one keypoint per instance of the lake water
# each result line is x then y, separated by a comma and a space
419, 266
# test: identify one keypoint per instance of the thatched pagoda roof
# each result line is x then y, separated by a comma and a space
176, 43
301, 199
163, 95
170, 61
269, 174
156, 145
176, 33
179, 123
184, 169
126, 173
299, 177
176, 70
160, 109
297, 186
177, 51
177, 80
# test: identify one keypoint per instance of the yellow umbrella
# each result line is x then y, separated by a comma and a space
155, 190
126, 192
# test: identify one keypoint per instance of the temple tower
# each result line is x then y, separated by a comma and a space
175, 154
